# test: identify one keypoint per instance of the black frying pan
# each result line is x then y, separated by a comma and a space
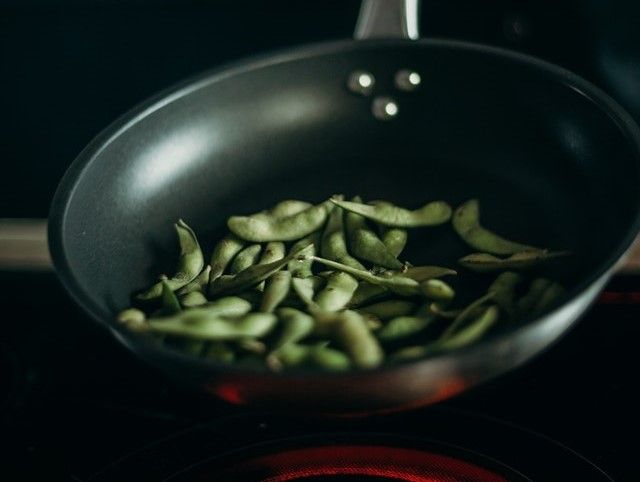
553, 160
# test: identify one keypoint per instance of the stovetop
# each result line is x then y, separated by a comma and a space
73, 401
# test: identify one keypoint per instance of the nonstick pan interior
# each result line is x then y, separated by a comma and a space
551, 164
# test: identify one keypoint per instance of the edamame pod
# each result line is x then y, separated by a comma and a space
170, 303
222, 255
305, 288
528, 302
471, 332
433, 213
549, 296
249, 277
245, 258
133, 318
356, 339
423, 273
337, 292
289, 228
398, 284
251, 325
390, 309
366, 293
285, 208
199, 284
333, 244
404, 326
484, 262
395, 239
296, 325
329, 358
275, 291
193, 299
437, 289
466, 222
306, 246
190, 263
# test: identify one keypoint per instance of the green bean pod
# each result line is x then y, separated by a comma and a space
190, 263
222, 255
199, 284
527, 303
251, 325
289, 228
295, 326
365, 244
306, 246
193, 299
395, 239
333, 245
397, 284
246, 257
433, 213
403, 327
337, 292
170, 303
466, 222
249, 277
484, 262
275, 291
390, 309
472, 332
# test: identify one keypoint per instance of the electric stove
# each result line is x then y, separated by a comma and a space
75, 405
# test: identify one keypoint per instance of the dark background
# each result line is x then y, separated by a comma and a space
69, 68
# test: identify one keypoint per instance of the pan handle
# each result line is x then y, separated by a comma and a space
23, 245
388, 19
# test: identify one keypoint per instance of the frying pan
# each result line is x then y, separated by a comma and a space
553, 160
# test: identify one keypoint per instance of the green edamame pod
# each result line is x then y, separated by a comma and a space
438, 310
306, 246
528, 302
397, 284
289, 355
356, 339
251, 325
337, 292
285, 208
273, 251
193, 299
246, 257
469, 312
133, 318
395, 239
549, 296
170, 303
333, 245
472, 332
466, 222
409, 353
502, 290
199, 284
390, 309
249, 277
366, 293
219, 351
190, 263
404, 326
222, 255
275, 291
365, 244
296, 325
329, 358
305, 288
433, 213
437, 289
484, 262
288, 228
422, 273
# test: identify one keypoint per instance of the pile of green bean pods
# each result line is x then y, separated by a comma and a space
325, 286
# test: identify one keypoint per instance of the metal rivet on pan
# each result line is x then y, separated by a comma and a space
407, 80
384, 108
361, 82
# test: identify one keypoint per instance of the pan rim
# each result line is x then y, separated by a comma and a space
72, 177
